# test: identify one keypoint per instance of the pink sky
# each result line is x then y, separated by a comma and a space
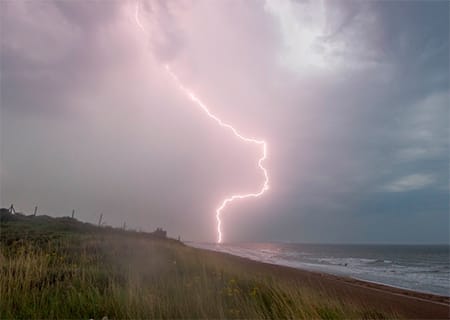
350, 97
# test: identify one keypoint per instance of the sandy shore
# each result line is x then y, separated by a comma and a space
405, 303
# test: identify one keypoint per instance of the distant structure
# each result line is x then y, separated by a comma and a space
160, 233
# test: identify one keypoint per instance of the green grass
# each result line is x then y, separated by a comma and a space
49, 272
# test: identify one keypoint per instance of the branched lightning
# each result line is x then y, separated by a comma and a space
224, 125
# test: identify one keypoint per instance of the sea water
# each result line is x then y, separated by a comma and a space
424, 268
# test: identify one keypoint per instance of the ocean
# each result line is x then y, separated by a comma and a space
424, 268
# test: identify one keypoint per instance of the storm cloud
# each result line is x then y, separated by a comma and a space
352, 98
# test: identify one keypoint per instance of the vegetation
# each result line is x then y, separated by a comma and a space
62, 268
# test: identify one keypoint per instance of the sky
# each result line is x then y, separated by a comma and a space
351, 98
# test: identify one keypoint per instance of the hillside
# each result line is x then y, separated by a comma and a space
38, 228
64, 268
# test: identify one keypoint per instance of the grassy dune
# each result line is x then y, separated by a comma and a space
49, 271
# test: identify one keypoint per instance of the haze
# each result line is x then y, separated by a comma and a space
351, 97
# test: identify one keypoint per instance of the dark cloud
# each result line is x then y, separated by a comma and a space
358, 150
89, 15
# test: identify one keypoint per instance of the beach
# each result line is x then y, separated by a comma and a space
407, 303
422, 268
64, 268
234, 159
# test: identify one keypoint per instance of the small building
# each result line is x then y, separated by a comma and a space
160, 233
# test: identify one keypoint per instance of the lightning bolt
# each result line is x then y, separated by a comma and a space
191, 95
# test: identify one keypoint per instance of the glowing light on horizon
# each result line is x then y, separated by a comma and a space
191, 95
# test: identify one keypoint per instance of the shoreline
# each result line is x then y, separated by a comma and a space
324, 271
409, 303
63, 261
392, 287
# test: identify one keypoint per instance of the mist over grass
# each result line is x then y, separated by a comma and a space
62, 268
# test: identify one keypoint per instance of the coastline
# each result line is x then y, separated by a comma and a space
357, 261
84, 271
405, 302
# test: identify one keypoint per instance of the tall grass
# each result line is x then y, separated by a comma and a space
87, 276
